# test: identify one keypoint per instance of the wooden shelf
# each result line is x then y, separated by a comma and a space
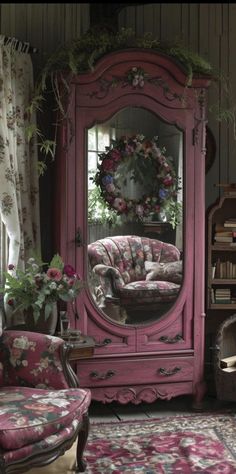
222, 306
223, 281
231, 248
223, 209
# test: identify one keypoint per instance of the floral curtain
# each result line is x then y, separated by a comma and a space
19, 186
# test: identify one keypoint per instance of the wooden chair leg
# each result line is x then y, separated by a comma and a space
82, 440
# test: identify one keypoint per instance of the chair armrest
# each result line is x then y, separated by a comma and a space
36, 360
107, 271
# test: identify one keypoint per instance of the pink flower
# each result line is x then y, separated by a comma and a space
69, 270
168, 181
115, 155
110, 188
71, 282
119, 204
54, 274
107, 165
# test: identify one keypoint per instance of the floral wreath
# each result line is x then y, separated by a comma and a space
145, 160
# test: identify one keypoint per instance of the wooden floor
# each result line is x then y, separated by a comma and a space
116, 412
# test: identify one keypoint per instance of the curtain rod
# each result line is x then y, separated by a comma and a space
21, 46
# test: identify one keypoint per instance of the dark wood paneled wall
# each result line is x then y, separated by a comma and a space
208, 28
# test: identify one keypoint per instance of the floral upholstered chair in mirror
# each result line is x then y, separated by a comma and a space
139, 271
42, 410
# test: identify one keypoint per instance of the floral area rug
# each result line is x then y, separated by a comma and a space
173, 445
166, 445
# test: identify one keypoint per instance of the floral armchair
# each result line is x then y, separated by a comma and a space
42, 410
125, 268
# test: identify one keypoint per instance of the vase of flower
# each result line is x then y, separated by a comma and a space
35, 292
45, 323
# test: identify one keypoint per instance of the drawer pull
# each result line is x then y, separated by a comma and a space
167, 373
171, 340
96, 376
103, 343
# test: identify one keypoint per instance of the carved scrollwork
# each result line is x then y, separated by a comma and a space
201, 120
135, 78
137, 395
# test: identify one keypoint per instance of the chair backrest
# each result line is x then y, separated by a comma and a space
128, 253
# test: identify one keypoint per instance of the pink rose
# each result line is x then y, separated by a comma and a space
54, 274
107, 165
168, 181
119, 204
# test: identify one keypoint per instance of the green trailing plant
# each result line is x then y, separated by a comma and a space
99, 211
81, 54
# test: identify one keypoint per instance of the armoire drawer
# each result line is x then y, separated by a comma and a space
146, 370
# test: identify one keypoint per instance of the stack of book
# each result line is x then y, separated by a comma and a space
226, 233
231, 222
222, 295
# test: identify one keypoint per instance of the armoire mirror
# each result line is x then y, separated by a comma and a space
105, 221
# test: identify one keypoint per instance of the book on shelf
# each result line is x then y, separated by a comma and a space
222, 296
230, 222
213, 270
228, 361
224, 238
227, 233
224, 270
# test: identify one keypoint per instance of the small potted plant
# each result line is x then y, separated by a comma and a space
36, 291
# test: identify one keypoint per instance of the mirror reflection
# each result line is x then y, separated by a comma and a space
135, 216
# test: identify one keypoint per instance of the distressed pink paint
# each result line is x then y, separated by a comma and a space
137, 363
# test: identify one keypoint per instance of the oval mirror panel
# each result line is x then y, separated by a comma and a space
135, 216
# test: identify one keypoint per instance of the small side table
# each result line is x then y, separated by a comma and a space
82, 346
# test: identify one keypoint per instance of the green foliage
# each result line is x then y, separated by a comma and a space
57, 262
98, 209
81, 54
174, 212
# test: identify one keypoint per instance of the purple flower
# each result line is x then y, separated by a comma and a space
163, 193
107, 179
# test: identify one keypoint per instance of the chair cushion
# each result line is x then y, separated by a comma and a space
149, 292
28, 415
170, 271
46, 444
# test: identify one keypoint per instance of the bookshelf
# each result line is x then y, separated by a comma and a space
220, 274
221, 254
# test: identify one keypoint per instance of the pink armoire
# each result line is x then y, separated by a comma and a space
139, 90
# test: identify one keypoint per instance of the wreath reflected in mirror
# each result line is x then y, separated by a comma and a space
139, 160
